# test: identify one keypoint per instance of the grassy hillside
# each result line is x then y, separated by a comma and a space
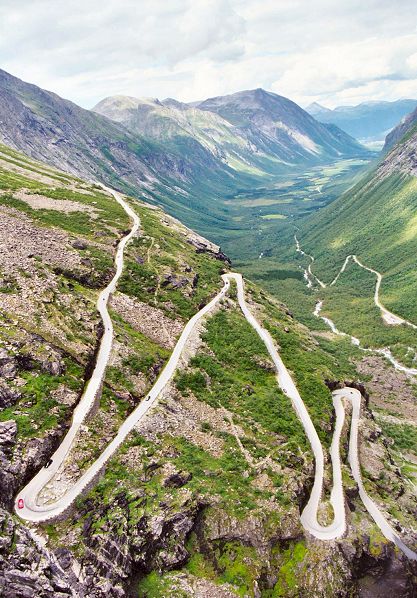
377, 221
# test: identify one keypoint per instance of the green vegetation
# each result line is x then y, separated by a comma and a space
404, 435
232, 378
289, 571
260, 220
145, 353
153, 585
238, 565
38, 410
174, 257
222, 476
78, 223
376, 220
350, 303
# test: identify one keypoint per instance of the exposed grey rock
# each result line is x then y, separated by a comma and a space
79, 244
55, 368
177, 479
8, 431
8, 368
26, 569
8, 396
174, 282
18, 462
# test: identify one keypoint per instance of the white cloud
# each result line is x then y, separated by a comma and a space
331, 51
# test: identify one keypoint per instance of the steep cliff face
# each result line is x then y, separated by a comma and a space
398, 132
401, 144
204, 497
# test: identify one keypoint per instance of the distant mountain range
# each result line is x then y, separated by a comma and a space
369, 121
181, 156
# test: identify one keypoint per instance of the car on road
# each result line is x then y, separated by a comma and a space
20, 503
48, 463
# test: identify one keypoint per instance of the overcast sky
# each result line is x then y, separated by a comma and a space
331, 51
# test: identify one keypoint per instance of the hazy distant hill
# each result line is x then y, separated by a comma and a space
369, 121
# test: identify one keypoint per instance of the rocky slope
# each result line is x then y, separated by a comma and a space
277, 125
50, 128
204, 497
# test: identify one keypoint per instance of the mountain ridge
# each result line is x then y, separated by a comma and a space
260, 138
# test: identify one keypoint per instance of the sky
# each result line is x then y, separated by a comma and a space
335, 52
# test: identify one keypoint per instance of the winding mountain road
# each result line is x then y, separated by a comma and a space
385, 351
389, 317
309, 517
31, 511
308, 272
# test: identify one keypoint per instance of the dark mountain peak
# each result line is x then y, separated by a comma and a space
258, 93
4, 74
247, 106
248, 97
